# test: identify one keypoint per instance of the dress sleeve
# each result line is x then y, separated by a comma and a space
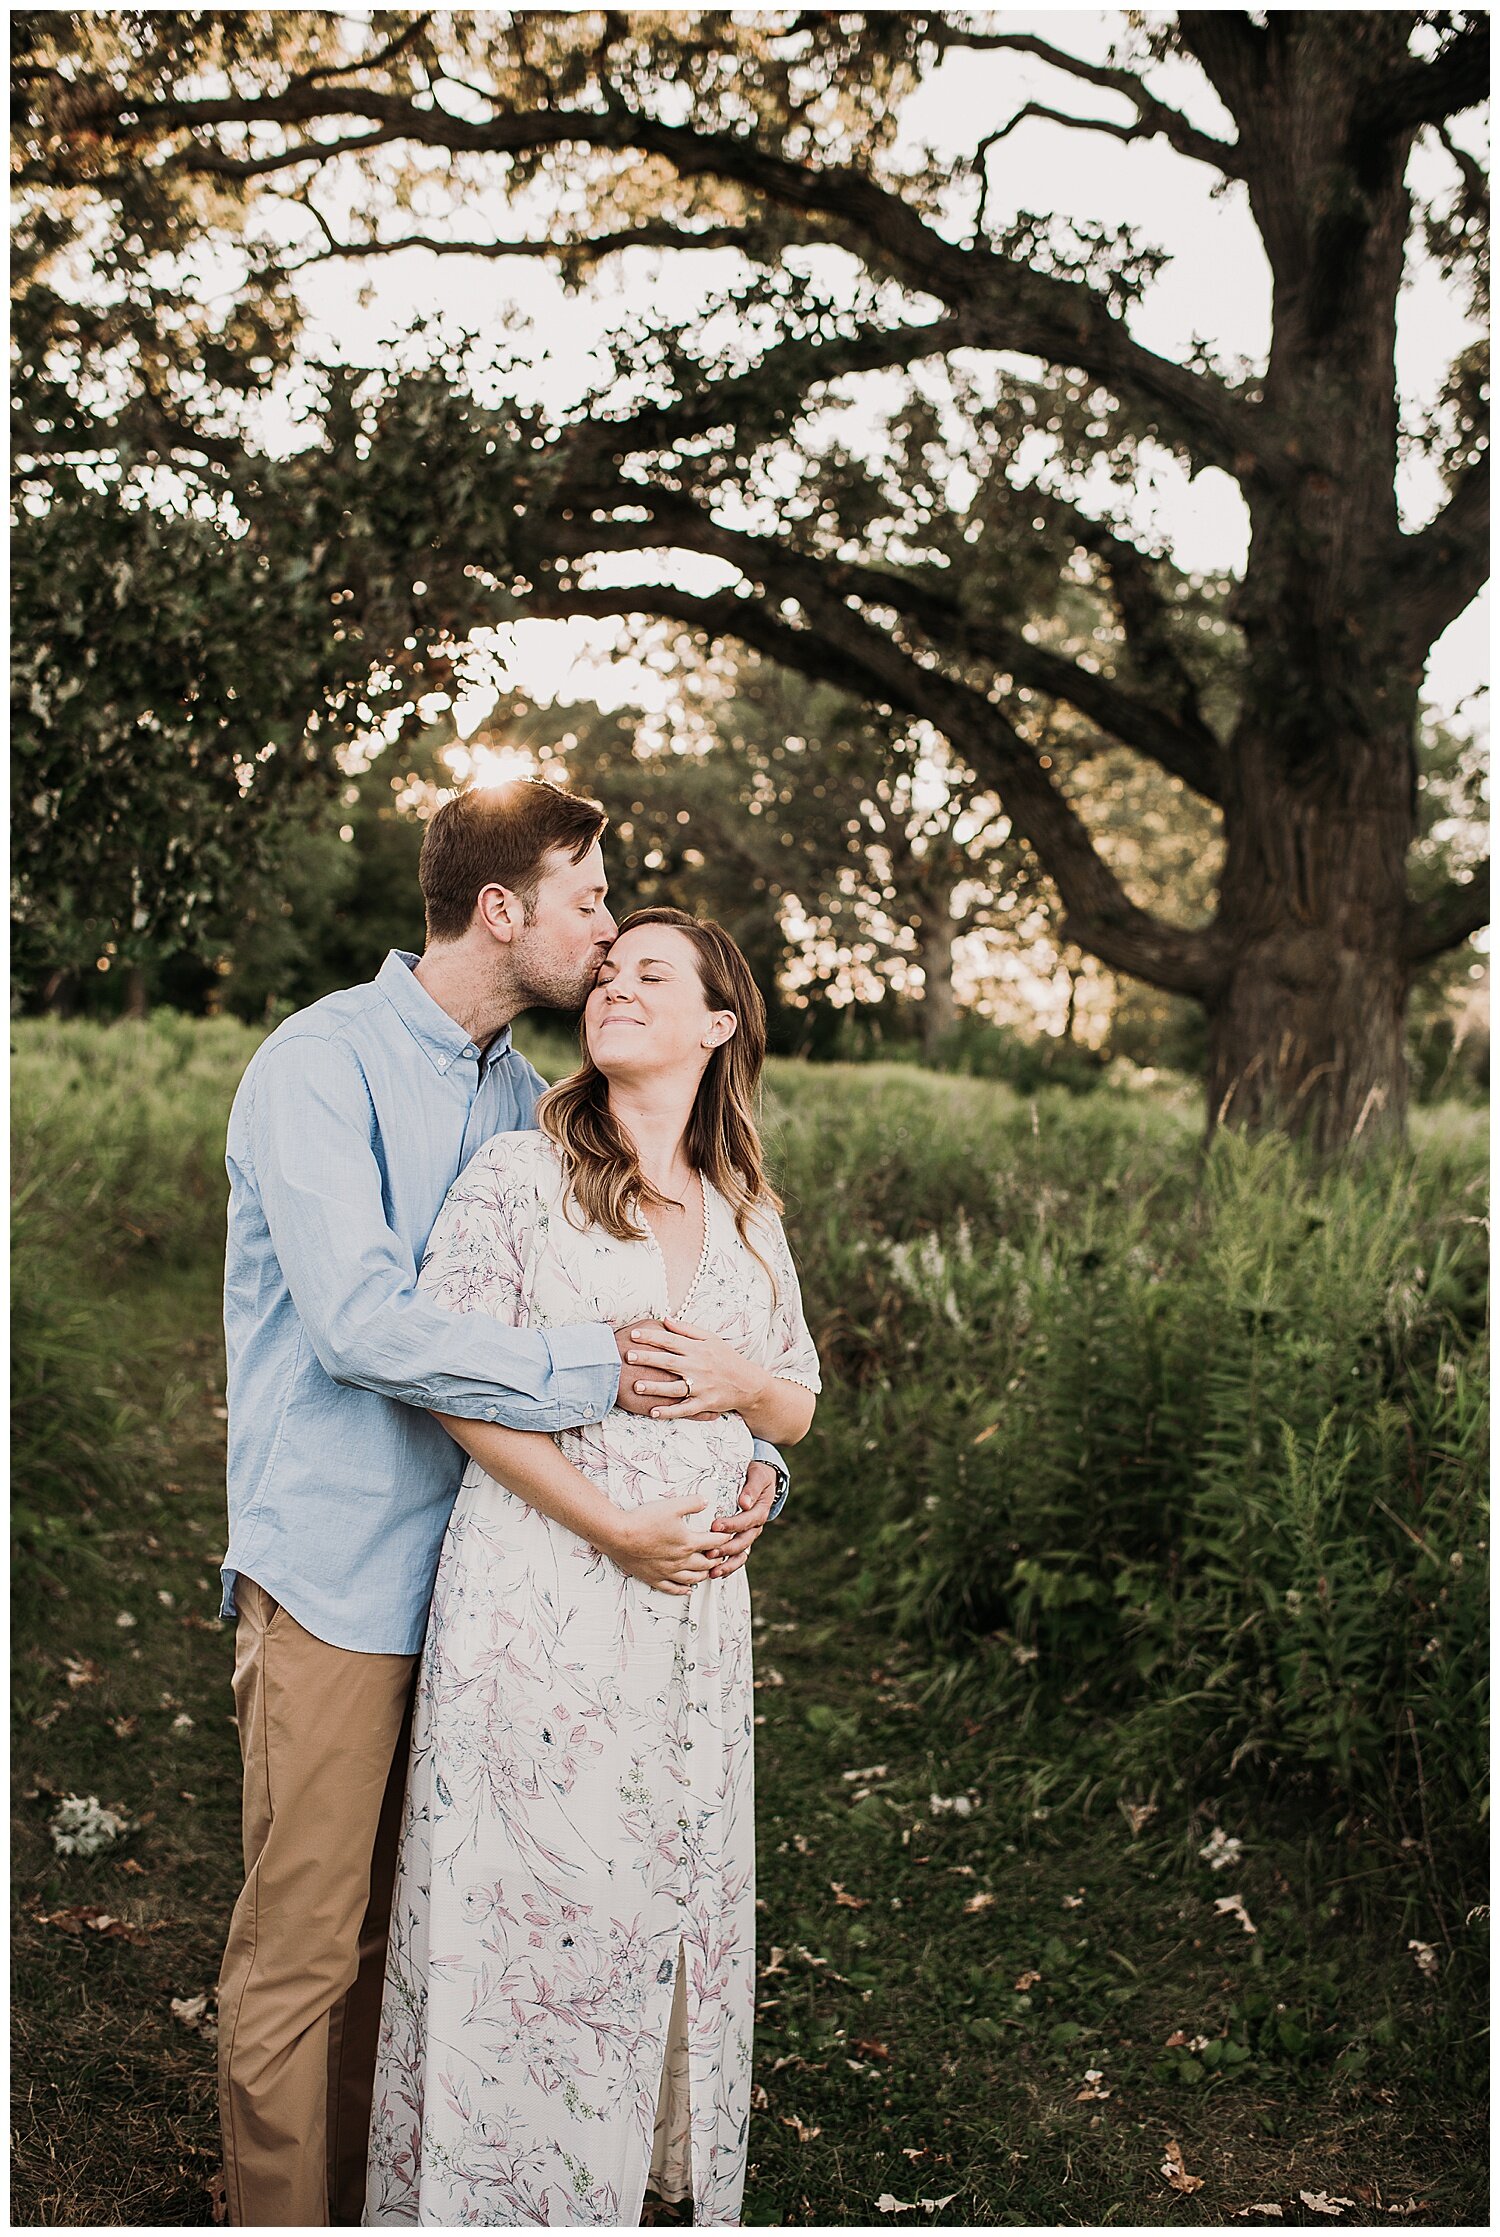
791, 1354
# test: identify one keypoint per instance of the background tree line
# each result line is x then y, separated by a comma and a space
208, 628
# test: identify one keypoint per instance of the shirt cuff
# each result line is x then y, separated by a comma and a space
773, 1460
586, 1367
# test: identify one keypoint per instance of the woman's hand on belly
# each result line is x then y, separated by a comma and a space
709, 1376
660, 1544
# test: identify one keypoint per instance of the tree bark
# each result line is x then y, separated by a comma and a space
939, 1004
136, 1003
1305, 1017
1306, 1030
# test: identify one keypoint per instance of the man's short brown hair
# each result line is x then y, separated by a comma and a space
499, 835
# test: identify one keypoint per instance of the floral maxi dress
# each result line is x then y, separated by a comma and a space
570, 1979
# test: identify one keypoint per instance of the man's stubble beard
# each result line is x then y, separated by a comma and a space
541, 982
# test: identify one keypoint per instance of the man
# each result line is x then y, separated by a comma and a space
350, 1124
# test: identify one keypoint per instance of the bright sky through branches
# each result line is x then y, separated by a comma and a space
1215, 288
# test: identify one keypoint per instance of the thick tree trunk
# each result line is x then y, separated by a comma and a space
1309, 1037
136, 1003
1306, 1023
1306, 1028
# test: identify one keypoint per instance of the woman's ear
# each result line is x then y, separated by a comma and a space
722, 1027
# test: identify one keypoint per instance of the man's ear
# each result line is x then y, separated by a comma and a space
501, 912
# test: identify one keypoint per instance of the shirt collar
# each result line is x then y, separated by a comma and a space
440, 1037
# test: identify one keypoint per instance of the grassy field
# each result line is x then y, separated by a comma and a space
997, 1983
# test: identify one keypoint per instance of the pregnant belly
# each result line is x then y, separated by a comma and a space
633, 1459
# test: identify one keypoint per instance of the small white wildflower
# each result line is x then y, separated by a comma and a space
1427, 1958
81, 1826
166, 1598
1220, 1849
183, 1723
125, 1621
952, 1805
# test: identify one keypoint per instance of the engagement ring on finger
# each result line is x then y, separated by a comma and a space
687, 1386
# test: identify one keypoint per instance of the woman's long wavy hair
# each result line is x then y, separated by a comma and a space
603, 1173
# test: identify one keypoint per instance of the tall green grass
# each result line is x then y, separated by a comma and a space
1185, 1451
1190, 1449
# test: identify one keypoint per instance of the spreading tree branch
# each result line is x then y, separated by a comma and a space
1447, 917
754, 242
1008, 304
1442, 569
824, 586
846, 651
1155, 119
1456, 79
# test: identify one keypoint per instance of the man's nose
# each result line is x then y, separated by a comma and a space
605, 938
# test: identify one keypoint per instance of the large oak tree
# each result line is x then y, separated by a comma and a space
775, 133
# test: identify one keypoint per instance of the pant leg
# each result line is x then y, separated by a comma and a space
354, 2026
320, 1730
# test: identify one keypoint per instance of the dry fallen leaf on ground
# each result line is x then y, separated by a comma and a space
79, 1916
759, 2101
870, 2047
1026, 1980
1319, 2202
980, 1902
80, 1673
885, 2204
1091, 2080
1426, 1957
1231, 1906
1135, 1814
805, 2134
1241, 2211
1176, 2174
842, 1896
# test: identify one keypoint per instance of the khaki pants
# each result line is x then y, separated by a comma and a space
324, 1733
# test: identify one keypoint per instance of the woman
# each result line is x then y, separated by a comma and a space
570, 1979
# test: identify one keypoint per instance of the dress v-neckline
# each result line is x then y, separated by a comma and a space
675, 1312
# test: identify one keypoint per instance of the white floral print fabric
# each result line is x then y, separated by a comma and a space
570, 1979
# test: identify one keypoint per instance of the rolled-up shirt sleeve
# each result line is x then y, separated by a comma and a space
355, 1287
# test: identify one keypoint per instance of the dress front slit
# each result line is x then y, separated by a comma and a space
671, 2170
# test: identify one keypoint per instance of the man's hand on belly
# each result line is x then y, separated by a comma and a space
741, 1530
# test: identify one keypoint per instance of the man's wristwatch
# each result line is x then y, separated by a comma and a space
778, 1466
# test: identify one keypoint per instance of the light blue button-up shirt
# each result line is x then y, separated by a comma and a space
350, 1125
